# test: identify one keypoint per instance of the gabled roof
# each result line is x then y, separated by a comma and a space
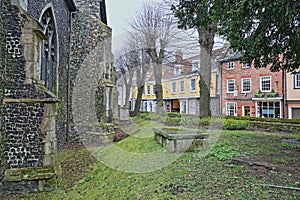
232, 57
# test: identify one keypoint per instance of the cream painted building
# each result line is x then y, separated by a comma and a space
293, 94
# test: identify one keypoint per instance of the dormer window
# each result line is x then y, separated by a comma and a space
245, 65
230, 65
195, 65
177, 69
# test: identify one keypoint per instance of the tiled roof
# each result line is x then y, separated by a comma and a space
231, 57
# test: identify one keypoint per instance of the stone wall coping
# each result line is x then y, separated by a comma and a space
30, 100
31, 173
178, 136
275, 123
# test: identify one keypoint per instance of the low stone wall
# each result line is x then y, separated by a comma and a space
94, 134
274, 127
31, 179
180, 140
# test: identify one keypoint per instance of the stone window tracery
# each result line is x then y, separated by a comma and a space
49, 51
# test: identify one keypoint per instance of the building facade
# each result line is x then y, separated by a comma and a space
250, 91
180, 83
44, 45
293, 94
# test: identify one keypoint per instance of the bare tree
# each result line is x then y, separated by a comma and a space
133, 64
154, 27
125, 64
141, 72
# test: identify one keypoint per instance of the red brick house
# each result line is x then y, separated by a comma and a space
250, 91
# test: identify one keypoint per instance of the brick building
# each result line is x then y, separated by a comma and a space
45, 45
250, 91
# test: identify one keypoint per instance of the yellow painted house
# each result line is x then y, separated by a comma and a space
181, 90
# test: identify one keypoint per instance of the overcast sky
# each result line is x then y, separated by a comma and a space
119, 12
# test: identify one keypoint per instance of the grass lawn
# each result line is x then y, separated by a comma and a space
190, 175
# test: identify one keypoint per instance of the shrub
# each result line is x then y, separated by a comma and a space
173, 121
232, 124
144, 115
278, 120
204, 121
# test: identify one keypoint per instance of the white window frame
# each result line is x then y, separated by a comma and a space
181, 86
153, 89
193, 90
234, 109
227, 89
297, 80
195, 65
242, 83
148, 89
243, 109
245, 65
173, 87
230, 65
177, 69
261, 85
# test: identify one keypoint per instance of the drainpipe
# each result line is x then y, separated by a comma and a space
68, 80
284, 93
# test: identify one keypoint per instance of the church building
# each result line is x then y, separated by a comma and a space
50, 53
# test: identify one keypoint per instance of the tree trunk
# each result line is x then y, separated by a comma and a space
127, 90
206, 41
158, 89
137, 104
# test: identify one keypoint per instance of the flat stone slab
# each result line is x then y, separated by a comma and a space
180, 139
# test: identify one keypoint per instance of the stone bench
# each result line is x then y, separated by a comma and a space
180, 140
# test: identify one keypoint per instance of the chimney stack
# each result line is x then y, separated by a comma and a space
178, 56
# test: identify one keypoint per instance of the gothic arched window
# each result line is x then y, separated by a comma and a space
49, 50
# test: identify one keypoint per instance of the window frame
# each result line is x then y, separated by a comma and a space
181, 86
49, 50
230, 65
261, 83
191, 87
177, 69
234, 108
245, 65
174, 87
195, 62
242, 84
153, 89
227, 86
297, 80
148, 90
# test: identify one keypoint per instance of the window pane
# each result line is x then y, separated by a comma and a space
265, 83
181, 86
231, 109
297, 80
230, 85
230, 65
174, 87
246, 85
148, 89
193, 84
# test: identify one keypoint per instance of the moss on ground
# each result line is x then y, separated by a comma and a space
191, 176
